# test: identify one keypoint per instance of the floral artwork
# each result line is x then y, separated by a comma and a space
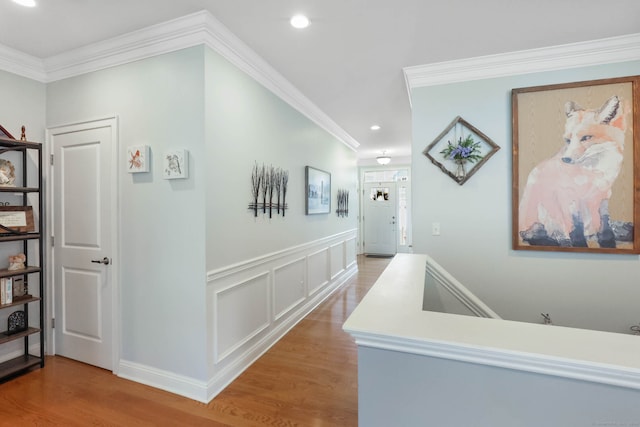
138, 158
463, 151
463, 157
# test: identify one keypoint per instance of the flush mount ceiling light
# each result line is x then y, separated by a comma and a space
299, 21
384, 159
375, 127
26, 3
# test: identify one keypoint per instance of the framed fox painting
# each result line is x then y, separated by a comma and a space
576, 163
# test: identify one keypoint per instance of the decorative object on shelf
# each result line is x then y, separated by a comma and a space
138, 158
270, 183
343, 203
7, 173
16, 219
318, 191
23, 134
19, 206
462, 150
20, 288
5, 133
176, 164
576, 169
16, 262
16, 322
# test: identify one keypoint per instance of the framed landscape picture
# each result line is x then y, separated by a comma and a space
318, 191
576, 157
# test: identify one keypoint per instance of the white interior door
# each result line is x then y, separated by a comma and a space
83, 248
380, 222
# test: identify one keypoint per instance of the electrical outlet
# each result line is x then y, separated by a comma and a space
435, 228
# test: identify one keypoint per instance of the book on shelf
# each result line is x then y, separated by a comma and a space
6, 291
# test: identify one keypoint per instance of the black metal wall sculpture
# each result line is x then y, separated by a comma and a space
343, 203
268, 183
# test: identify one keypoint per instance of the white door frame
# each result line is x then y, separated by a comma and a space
112, 122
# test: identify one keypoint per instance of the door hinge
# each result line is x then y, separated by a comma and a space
53, 323
51, 159
53, 241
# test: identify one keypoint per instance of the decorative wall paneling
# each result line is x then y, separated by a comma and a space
254, 303
337, 257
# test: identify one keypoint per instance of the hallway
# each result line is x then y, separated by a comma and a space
309, 378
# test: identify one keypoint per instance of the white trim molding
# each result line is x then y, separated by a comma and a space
164, 380
16, 62
582, 54
199, 28
458, 290
232, 345
390, 317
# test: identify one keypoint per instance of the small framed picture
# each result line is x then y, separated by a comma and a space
175, 164
138, 158
318, 191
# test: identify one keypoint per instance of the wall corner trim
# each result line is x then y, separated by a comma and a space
573, 55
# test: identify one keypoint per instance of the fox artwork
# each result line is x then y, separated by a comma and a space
566, 198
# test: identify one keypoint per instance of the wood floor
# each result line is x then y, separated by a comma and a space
309, 378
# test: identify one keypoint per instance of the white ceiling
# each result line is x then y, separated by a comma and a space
349, 61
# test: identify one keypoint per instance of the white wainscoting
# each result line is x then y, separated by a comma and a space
318, 270
253, 304
337, 256
289, 286
248, 296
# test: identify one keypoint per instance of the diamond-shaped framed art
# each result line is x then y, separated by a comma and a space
460, 150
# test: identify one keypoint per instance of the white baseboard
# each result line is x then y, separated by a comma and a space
164, 380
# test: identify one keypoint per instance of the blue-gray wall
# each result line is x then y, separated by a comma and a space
246, 123
580, 290
159, 102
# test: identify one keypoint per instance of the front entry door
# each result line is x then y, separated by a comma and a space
82, 229
380, 229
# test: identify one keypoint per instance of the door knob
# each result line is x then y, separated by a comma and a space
104, 261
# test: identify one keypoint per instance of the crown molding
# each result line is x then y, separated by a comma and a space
228, 45
582, 54
151, 41
199, 28
16, 62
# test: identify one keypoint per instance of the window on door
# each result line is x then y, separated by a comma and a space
379, 194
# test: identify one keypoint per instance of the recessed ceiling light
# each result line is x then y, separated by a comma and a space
299, 21
27, 3
375, 127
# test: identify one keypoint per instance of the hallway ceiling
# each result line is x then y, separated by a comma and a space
349, 61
